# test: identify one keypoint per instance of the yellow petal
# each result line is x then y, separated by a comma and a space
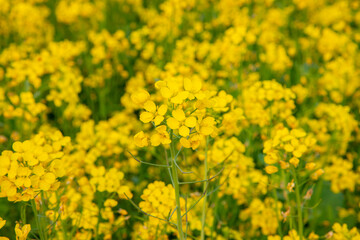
140, 97
210, 121
3, 171
17, 146
184, 131
187, 84
190, 122
185, 143
161, 129
162, 110
4, 161
179, 115
206, 130
173, 123
155, 139
49, 178
166, 141
158, 119
192, 85
166, 92
150, 106
2, 222
43, 157
146, 117
180, 97
141, 140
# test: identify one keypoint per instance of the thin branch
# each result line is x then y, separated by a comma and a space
176, 156
204, 180
183, 172
317, 204
223, 161
148, 214
186, 219
202, 195
167, 162
169, 218
152, 164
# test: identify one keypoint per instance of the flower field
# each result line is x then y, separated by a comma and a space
179, 119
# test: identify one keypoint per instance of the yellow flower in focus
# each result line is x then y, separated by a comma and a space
192, 142
160, 137
181, 122
153, 113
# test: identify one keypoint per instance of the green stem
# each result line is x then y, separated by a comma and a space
203, 219
38, 221
284, 179
175, 181
23, 213
277, 213
298, 203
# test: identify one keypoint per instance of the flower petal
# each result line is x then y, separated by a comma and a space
184, 131
150, 106
173, 123
146, 117
190, 122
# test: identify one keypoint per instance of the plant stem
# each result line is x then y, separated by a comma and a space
277, 213
23, 213
175, 181
298, 203
177, 197
203, 219
287, 200
38, 221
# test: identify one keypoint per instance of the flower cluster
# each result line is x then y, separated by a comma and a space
35, 165
292, 144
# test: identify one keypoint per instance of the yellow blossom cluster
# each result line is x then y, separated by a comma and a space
33, 166
263, 215
264, 101
179, 119
292, 144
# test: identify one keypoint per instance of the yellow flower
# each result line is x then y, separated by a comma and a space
161, 136
271, 169
181, 122
294, 161
46, 181
192, 86
206, 126
290, 186
140, 97
22, 232
193, 141
141, 140
110, 203
153, 113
